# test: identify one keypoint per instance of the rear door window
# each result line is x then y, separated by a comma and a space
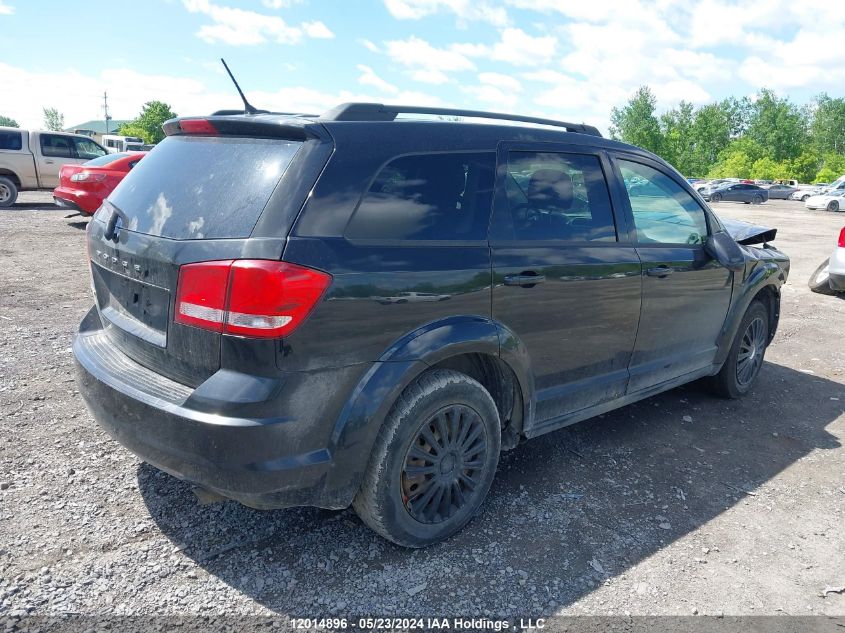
11, 140
86, 148
443, 196
558, 196
202, 187
57, 146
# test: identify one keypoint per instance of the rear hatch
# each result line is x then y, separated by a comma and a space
194, 198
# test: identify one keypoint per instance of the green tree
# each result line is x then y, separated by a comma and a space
737, 159
147, 125
767, 169
53, 119
833, 166
8, 122
777, 125
738, 113
804, 167
636, 123
828, 126
676, 131
710, 134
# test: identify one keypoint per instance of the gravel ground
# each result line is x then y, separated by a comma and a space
680, 504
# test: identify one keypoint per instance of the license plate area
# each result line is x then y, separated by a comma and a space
135, 306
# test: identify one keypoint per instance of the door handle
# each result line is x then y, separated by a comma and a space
49, 162
526, 280
660, 271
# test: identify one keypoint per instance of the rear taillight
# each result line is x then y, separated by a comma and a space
87, 176
842, 238
248, 297
197, 126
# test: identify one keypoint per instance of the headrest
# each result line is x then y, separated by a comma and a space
550, 189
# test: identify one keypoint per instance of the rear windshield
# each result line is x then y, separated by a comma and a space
105, 160
193, 188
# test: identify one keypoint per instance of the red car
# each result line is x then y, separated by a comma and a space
84, 187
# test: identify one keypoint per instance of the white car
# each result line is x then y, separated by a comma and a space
829, 278
805, 192
832, 201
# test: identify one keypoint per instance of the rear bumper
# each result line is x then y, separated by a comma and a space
262, 462
78, 200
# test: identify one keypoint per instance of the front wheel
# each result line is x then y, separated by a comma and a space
433, 461
716, 197
833, 205
757, 200
745, 358
805, 197
820, 280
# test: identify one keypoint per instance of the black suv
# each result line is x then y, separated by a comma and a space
360, 308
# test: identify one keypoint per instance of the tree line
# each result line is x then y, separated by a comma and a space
767, 138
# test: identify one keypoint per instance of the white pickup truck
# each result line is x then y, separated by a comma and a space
31, 160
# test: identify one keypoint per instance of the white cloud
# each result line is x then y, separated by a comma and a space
505, 82
239, 27
516, 47
418, 54
6, 9
317, 30
369, 45
370, 78
434, 77
465, 10
279, 4
501, 99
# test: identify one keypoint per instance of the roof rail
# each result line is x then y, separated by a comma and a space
381, 112
241, 112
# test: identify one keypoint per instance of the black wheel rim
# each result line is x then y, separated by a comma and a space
444, 466
751, 350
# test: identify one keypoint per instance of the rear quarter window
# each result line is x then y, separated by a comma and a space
428, 197
11, 140
202, 187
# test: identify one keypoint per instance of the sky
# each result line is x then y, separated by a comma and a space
565, 59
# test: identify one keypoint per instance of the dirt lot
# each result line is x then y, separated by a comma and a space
681, 504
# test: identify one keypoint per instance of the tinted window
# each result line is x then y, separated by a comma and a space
86, 148
105, 160
11, 140
202, 187
559, 197
428, 197
58, 146
663, 211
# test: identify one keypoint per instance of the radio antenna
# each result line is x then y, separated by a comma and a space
248, 107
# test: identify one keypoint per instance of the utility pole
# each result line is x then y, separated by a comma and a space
106, 110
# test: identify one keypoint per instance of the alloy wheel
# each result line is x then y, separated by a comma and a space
5, 193
443, 467
751, 350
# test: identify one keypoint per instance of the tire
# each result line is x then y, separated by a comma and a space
833, 205
820, 280
8, 192
757, 200
716, 197
745, 358
805, 197
440, 403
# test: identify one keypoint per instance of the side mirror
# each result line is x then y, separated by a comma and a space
722, 247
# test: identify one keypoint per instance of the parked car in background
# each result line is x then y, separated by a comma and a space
709, 184
829, 200
737, 192
115, 143
829, 278
780, 192
84, 187
804, 192
220, 351
31, 160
